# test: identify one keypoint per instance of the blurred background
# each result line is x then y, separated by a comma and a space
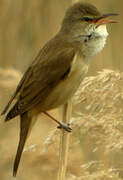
25, 26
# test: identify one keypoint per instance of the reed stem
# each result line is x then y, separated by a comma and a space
64, 142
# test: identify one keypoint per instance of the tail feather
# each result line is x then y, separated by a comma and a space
25, 122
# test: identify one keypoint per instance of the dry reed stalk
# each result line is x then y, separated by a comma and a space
64, 142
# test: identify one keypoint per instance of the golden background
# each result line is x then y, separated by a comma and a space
25, 26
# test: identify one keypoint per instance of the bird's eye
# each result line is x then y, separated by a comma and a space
86, 19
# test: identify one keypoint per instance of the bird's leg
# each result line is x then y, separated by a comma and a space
61, 125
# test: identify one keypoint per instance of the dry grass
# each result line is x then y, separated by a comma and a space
97, 136
98, 118
99, 109
96, 145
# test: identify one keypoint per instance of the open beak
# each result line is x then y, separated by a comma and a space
102, 19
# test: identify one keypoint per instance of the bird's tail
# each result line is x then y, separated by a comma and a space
25, 122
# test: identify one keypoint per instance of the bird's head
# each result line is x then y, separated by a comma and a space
84, 18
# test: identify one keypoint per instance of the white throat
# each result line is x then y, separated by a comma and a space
96, 42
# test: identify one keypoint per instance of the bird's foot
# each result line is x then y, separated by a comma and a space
64, 126
61, 125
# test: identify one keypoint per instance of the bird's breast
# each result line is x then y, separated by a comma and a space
68, 86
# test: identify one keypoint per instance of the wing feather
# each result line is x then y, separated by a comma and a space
47, 70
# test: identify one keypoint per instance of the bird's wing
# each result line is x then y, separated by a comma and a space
51, 66
18, 90
45, 77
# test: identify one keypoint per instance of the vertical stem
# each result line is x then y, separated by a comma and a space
64, 142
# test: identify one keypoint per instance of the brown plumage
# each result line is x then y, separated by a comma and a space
24, 130
57, 71
46, 71
39, 80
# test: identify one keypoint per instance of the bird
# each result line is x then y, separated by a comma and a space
57, 71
